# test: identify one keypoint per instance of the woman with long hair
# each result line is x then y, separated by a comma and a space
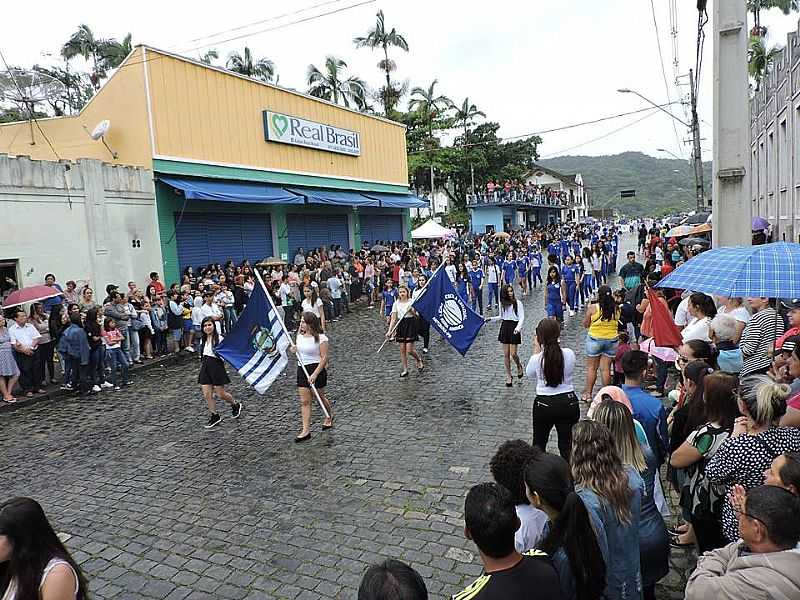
570, 539
653, 538
512, 315
601, 338
555, 295
213, 377
701, 502
34, 564
405, 332
614, 494
313, 303
555, 403
311, 347
702, 309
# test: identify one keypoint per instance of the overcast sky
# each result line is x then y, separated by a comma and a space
530, 66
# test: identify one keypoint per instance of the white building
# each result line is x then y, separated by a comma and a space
87, 221
571, 185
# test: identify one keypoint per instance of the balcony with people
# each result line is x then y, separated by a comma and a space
512, 192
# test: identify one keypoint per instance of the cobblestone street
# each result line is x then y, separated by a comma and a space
154, 506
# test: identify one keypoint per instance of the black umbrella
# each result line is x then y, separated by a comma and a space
694, 241
698, 218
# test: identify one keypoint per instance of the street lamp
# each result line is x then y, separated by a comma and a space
695, 128
672, 154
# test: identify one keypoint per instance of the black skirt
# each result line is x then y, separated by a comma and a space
406, 330
212, 372
507, 335
302, 380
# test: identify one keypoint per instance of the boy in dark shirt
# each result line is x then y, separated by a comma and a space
491, 521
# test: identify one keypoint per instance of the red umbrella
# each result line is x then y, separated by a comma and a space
34, 293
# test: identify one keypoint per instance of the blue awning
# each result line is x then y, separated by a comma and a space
397, 200
337, 197
233, 191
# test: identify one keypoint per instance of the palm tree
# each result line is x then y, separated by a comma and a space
84, 43
113, 52
760, 59
245, 64
756, 6
379, 37
330, 85
431, 107
209, 57
466, 114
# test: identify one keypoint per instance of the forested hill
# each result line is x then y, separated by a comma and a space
663, 185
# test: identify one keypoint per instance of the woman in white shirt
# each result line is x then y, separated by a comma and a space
213, 377
556, 403
311, 347
735, 307
313, 304
403, 319
33, 561
703, 309
513, 316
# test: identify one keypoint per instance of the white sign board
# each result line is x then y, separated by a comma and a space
287, 129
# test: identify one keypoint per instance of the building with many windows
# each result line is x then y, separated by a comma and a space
238, 168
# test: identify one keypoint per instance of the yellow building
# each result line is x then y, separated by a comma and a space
243, 169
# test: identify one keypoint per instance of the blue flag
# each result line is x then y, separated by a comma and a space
257, 344
447, 312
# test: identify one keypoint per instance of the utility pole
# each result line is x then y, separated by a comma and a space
732, 211
697, 155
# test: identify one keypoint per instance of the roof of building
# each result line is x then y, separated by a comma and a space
571, 179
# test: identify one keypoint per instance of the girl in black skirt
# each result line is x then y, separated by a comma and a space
513, 316
406, 334
213, 377
311, 348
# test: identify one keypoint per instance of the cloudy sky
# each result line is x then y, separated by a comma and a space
531, 66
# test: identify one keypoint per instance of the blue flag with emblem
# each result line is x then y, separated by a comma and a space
256, 346
446, 311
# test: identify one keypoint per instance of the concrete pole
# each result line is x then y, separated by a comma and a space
731, 185
697, 155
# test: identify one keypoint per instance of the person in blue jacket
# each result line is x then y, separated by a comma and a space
74, 345
476, 277
509, 269
571, 274
523, 265
555, 296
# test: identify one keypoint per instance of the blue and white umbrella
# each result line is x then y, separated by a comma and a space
767, 271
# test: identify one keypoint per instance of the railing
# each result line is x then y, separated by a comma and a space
516, 196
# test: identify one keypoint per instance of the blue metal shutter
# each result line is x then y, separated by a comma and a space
224, 237
256, 237
386, 228
192, 240
313, 231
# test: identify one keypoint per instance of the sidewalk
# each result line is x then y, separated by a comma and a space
54, 391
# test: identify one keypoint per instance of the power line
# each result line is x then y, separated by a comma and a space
663, 70
610, 133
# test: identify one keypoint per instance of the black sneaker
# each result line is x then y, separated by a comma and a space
213, 420
236, 410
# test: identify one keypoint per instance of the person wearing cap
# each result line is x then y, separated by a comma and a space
793, 316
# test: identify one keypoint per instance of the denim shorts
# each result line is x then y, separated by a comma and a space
595, 347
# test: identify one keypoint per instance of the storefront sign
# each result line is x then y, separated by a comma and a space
287, 129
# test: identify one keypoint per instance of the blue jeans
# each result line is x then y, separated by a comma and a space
536, 275
116, 358
96, 374
230, 318
494, 292
572, 295
67, 367
477, 300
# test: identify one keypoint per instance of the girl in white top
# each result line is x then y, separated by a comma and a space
702, 308
735, 308
27, 540
311, 347
313, 304
512, 314
556, 403
403, 324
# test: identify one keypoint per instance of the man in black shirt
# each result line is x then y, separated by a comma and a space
491, 521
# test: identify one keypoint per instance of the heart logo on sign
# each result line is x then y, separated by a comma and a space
280, 124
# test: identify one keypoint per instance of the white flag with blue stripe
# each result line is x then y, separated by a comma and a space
256, 346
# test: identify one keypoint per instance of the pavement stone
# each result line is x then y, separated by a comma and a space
154, 506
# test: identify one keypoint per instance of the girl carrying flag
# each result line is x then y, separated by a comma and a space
555, 295
212, 377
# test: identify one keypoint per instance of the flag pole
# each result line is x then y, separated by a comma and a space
289, 337
397, 323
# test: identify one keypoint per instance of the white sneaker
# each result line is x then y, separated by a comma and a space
189, 349
571, 313
106, 384
95, 388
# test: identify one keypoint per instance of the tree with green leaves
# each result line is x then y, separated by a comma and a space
331, 84
78, 89
380, 37
466, 115
245, 64
756, 6
760, 59
84, 43
431, 107
209, 57
113, 52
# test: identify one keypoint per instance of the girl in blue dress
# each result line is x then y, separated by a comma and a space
555, 296
462, 280
509, 267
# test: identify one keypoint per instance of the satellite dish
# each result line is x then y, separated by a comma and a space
100, 129
27, 89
